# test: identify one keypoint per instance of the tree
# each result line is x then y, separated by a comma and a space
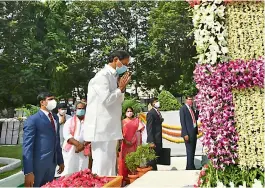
171, 47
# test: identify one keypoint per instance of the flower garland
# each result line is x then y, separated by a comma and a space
197, 2
210, 32
171, 133
177, 140
249, 116
215, 102
245, 23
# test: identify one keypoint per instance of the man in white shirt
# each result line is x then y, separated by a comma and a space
104, 110
75, 159
63, 117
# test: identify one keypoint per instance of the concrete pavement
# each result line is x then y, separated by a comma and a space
158, 179
179, 149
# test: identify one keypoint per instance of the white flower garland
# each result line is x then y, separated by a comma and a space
249, 116
210, 32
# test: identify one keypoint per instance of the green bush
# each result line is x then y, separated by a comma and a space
144, 155
29, 109
131, 102
168, 102
132, 162
209, 176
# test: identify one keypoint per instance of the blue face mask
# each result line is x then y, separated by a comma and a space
80, 112
122, 69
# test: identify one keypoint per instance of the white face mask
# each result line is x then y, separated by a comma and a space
62, 112
157, 105
51, 105
70, 102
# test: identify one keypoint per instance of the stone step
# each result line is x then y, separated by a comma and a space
157, 179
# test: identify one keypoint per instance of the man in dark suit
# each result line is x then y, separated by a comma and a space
154, 130
41, 144
189, 131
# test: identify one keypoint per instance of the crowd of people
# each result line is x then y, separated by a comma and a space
92, 133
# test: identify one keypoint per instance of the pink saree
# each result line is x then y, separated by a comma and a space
131, 132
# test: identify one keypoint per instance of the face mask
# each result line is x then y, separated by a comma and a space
129, 114
70, 102
62, 112
80, 112
62, 101
122, 69
51, 105
157, 105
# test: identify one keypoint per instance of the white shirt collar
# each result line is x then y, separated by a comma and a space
45, 112
110, 69
187, 106
156, 109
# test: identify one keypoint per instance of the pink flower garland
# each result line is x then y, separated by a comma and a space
215, 102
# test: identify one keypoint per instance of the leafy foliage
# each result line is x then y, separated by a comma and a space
58, 45
210, 176
132, 102
145, 154
131, 162
29, 109
168, 102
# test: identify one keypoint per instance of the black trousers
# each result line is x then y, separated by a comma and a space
190, 150
157, 149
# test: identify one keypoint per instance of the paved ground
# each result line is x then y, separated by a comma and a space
179, 163
157, 179
179, 149
174, 175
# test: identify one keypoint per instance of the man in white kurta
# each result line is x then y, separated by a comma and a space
74, 162
104, 110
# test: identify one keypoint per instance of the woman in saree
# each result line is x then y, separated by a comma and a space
131, 128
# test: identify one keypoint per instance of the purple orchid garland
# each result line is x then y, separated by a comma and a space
215, 102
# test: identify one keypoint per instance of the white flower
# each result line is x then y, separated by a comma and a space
196, 20
220, 11
201, 57
232, 185
220, 185
218, 1
257, 184
243, 186
217, 26
220, 37
209, 19
210, 43
224, 50
213, 7
212, 40
213, 58
196, 7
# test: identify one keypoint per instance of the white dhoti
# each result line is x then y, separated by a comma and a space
104, 156
74, 162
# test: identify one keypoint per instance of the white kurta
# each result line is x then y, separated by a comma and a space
74, 162
61, 126
103, 120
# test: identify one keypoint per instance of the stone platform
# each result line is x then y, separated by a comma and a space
158, 179
173, 175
